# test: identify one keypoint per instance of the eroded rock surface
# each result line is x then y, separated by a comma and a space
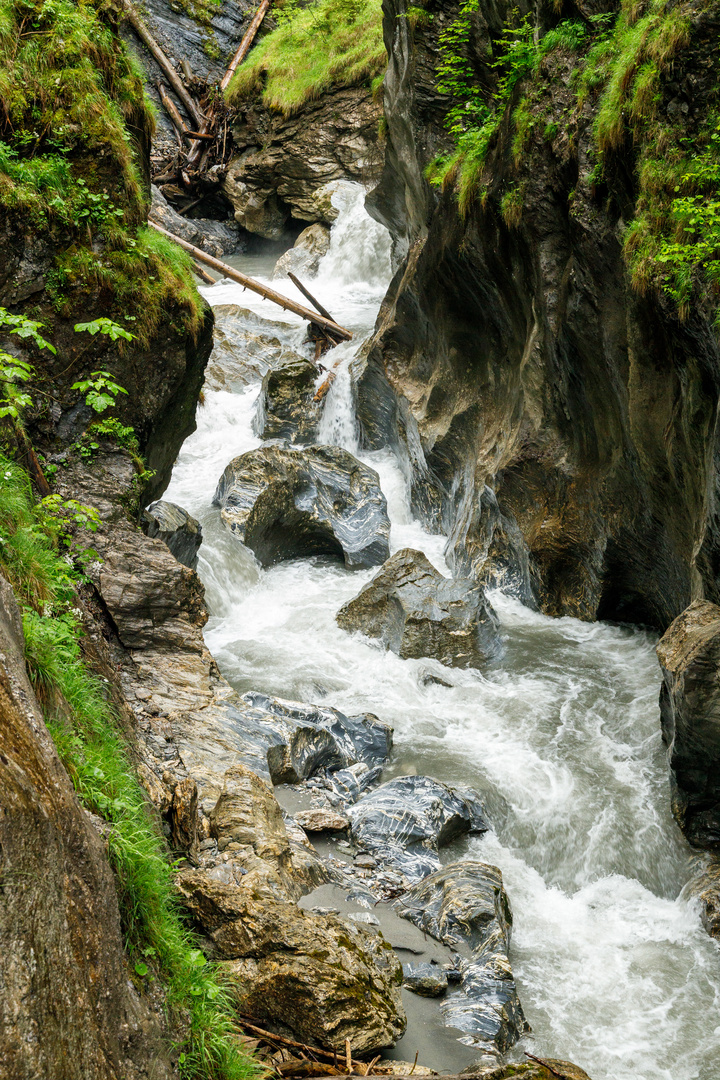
465, 905
417, 612
689, 654
405, 821
217, 238
245, 347
303, 258
285, 503
177, 529
286, 409
67, 1006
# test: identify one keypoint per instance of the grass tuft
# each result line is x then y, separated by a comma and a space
327, 44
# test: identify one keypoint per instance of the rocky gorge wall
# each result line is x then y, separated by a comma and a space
560, 426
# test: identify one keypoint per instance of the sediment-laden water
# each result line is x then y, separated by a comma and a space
562, 737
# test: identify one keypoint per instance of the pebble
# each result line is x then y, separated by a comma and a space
365, 862
206, 845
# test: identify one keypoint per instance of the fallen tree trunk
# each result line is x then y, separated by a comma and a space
331, 328
172, 110
244, 47
172, 76
309, 296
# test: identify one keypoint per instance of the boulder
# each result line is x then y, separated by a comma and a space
287, 409
405, 821
465, 905
706, 888
303, 258
176, 528
320, 820
427, 980
323, 977
284, 742
285, 503
689, 654
540, 1069
415, 611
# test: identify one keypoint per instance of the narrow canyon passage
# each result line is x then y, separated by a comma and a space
561, 736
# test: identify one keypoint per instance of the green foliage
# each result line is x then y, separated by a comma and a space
73, 107
14, 372
90, 743
328, 43
111, 428
100, 390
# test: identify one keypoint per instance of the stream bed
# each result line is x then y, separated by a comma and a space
561, 737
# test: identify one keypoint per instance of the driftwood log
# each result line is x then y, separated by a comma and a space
171, 74
328, 325
244, 46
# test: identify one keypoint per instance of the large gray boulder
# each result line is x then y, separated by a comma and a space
415, 611
176, 528
465, 906
287, 408
285, 503
305, 255
689, 654
405, 821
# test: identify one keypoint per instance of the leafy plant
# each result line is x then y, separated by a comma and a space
100, 390
15, 372
105, 326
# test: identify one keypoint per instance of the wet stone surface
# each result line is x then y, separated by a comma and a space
285, 503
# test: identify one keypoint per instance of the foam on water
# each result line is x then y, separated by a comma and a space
562, 737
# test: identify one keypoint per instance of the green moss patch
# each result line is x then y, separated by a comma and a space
327, 44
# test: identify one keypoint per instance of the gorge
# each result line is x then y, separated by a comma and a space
522, 455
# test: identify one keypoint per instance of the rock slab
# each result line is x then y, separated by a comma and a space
465, 906
285, 503
287, 409
689, 654
415, 612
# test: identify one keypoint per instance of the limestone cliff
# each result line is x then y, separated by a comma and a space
561, 424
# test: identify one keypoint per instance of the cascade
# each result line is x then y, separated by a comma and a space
561, 736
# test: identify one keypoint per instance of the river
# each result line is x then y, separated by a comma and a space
562, 737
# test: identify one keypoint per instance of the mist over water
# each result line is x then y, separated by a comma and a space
562, 736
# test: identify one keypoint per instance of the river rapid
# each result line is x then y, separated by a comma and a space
562, 737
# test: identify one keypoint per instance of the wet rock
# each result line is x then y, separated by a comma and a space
417, 612
465, 905
321, 976
689, 654
285, 503
706, 887
284, 742
348, 784
246, 347
552, 1069
217, 238
303, 258
183, 815
428, 980
365, 862
287, 409
176, 528
405, 821
322, 821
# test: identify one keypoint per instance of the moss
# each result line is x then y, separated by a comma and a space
328, 44
73, 125
201, 11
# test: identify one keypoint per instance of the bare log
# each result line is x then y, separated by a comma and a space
172, 110
244, 47
200, 135
207, 278
172, 76
309, 296
328, 325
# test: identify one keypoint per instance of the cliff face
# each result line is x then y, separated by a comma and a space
67, 1006
560, 425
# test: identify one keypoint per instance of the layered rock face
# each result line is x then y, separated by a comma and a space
689, 654
560, 426
67, 1006
286, 166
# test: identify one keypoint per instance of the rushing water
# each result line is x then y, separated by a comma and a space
562, 737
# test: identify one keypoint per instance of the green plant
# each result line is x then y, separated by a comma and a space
100, 390
15, 372
327, 43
